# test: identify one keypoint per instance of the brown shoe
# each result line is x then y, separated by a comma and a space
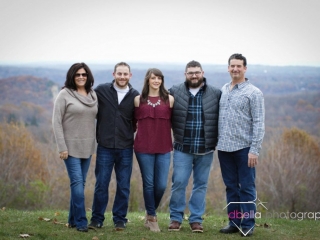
196, 227
174, 226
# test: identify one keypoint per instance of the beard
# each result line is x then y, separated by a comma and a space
194, 84
123, 83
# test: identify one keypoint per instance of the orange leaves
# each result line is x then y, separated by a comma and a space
265, 225
19, 150
44, 219
53, 220
301, 141
22, 168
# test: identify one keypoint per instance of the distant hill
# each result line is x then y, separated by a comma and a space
15, 90
301, 110
27, 99
270, 79
30, 99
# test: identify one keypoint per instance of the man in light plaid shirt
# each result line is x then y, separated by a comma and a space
241, 131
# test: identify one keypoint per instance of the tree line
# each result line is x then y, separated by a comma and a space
33, 177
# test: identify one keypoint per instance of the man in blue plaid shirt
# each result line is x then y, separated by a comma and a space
241, 131
195, 116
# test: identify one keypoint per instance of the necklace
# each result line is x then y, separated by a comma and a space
153, 104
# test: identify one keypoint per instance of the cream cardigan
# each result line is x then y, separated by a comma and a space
74, 124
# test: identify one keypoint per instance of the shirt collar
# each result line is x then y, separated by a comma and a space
241, 85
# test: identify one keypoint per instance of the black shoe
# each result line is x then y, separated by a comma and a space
119, 226
229, 229
246, 232
94, 225
82, 229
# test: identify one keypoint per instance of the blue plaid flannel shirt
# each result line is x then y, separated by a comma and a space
241, 118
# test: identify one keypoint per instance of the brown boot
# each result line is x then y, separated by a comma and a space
152, 223
146, 223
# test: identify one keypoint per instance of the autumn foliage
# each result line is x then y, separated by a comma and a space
22, 178
289, 176
33, 177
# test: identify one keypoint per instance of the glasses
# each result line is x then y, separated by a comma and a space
81, 74
190, 74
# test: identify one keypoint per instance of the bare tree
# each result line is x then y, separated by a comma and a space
290, 175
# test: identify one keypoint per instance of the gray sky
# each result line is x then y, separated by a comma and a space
283, 32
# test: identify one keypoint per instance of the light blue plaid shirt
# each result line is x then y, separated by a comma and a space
241, 118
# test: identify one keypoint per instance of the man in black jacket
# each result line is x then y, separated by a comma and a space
195, 127
115, 129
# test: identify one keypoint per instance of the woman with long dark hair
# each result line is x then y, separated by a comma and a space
153, 142
73, 122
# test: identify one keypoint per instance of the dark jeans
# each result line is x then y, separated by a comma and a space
77, 170
240, 187
121, 161
154, 172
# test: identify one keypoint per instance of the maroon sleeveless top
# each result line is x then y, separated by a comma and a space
154, 127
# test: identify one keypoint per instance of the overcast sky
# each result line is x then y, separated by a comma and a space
283, 32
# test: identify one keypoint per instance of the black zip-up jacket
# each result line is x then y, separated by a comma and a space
115, 123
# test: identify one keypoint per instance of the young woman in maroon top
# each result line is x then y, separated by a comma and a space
153, 142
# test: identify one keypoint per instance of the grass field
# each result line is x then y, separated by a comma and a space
52, 225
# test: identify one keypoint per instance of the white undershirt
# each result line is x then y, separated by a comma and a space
194, 91
121, 92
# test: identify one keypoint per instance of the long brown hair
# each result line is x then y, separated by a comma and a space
164, 94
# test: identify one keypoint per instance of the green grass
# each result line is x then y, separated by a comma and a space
14, 222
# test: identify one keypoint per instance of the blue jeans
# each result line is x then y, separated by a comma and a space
121, 161
183, 164
77, 170
154, 172
240, 186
